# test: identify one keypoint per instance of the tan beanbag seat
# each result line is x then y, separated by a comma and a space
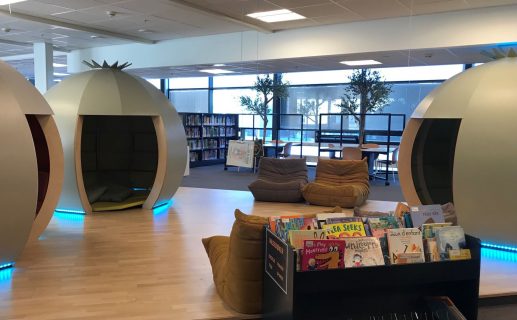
238, 262
280, 180
341, 183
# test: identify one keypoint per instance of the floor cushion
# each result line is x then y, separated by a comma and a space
238, 262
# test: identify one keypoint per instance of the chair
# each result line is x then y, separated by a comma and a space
351, 153
280, 180
286, 151
238, 263
390, 163
341, 183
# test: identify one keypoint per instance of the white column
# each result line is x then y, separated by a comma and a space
43, 66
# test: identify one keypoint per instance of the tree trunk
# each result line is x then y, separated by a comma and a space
362, 118
265, 129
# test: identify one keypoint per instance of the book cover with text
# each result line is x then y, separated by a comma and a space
345, 230
363, 251
322, 255
405, 240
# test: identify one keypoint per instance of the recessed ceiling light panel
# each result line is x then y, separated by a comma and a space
216, 71
361, 62
276, 16
4, 2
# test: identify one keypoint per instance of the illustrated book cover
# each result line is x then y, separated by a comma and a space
284, 225
363, 251
345, 230
449, 238
322, 217
322, 255
297, 237
379, 225
426, 214
405, 240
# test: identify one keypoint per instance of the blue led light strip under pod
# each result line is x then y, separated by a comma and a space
70, 211
6, 265
499, 247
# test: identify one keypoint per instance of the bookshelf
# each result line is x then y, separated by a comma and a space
357, 293
208, 135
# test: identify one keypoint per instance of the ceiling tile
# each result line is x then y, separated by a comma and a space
73, 4
374, 9
297, 3
323, 10
40, 8
433, 6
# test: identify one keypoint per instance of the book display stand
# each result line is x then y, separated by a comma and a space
360, 293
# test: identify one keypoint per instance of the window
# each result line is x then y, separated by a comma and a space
188, 83
190, 100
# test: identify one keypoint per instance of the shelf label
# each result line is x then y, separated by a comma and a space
276, 260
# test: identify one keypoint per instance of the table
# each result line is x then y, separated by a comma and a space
370, 153
276, 147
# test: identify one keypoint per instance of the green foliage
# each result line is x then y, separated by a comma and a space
267, 88
366, 93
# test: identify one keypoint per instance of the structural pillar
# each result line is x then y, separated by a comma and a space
43, 66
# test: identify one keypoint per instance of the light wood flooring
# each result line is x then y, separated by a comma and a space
140, 264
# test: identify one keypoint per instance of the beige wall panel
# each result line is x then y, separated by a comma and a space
18, 178
55, 182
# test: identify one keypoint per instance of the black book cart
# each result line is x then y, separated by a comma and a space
360, 293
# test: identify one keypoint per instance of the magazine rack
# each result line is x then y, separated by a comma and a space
353, 293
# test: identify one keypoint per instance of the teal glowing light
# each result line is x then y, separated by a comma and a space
70, 211
6, 265
499, 247
162, 207
65, 216
6, 274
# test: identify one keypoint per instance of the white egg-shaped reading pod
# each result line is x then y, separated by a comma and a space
123, 141
459, 146
31, 163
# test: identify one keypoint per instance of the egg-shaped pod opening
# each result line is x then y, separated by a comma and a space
432, 160
42, 157
119, 160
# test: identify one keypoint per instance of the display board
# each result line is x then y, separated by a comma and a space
240, 153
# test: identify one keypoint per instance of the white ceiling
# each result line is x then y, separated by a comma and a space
71, 24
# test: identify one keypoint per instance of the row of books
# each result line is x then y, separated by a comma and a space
211, 119
335, 240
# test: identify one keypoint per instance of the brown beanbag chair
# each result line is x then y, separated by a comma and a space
238, 262
341, 183
280, 180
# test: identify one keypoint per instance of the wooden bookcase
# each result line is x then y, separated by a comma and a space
208, 135
359, 292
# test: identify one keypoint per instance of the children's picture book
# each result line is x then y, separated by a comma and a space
405, 240
449, 238
426, 214
432, 253
284, 225
459, 254
322, 217
400, 209
429, 229
274, 220
379, 225
343, 220
345, 230
363, 251
297, 237
322, 255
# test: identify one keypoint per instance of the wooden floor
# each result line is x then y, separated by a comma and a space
139, 264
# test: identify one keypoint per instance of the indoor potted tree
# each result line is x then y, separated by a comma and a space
366, 93
267, 88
